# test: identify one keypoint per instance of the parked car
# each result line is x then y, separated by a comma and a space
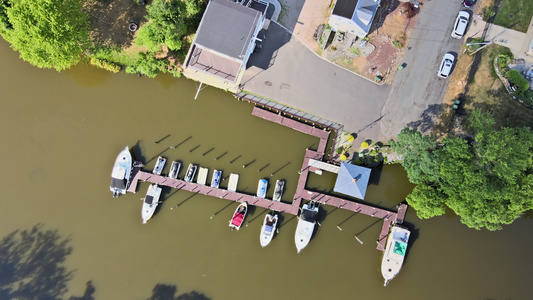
446, 65
461, 22
469, 3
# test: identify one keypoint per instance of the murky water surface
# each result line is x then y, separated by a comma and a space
62, 131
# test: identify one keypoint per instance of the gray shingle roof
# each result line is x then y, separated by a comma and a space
227, 28
344, 8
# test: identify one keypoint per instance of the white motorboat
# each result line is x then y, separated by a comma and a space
278, 191
191, 171
306, 225
150, 202
238, 217
174, 169
394, 253
262, 188
159, 165
268, 229
120, 175
217, 176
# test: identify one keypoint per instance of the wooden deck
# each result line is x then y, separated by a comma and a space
302, 193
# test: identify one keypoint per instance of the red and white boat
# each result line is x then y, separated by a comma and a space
238, 217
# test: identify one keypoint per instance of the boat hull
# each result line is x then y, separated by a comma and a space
174, 169
262, 188
159, 165
191, 172
306, 226
394, 254
120, 175
215, 181
151, 200
268, 229
238, 216
278, 191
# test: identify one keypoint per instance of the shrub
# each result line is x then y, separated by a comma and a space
517, 80
103, 64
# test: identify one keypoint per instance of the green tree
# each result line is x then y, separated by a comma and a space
46, 33
487, 183
166, 25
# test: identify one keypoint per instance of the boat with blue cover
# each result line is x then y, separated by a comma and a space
262, 188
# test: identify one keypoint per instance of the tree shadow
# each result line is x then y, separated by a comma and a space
168, 292
32, 265
428, 119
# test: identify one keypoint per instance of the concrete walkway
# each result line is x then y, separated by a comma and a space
518, 42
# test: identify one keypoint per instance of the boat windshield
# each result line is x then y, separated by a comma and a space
118, 183
309, 215
399, 248
148, 199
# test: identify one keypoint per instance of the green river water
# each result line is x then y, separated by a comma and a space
61, 133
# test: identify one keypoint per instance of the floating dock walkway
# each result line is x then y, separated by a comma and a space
312, 162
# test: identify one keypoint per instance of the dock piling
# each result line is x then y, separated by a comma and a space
219, 157
212, 148
232, 161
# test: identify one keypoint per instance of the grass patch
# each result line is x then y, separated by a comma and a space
487, 92
515, 14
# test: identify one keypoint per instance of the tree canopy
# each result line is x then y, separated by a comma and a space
488, 182
46, 33
168, 22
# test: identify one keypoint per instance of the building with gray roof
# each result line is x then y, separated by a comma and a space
226, 38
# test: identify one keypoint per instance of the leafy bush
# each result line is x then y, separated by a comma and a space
106, 65
517, 80
169, 22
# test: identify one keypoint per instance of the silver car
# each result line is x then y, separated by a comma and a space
461, 22
446, 65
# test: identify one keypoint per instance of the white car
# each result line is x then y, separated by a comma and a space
461, 22
446, 65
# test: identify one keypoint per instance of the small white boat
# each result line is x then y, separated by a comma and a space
174, 169
262, 188
120, 175
191, 171
150, 202
278, 191
306, 225
394, 253
217, 176
238, 217
159, 165
268, 229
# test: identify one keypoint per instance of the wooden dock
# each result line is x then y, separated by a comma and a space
302, 193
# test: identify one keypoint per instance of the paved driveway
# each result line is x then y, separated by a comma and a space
416, 94
290, 73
